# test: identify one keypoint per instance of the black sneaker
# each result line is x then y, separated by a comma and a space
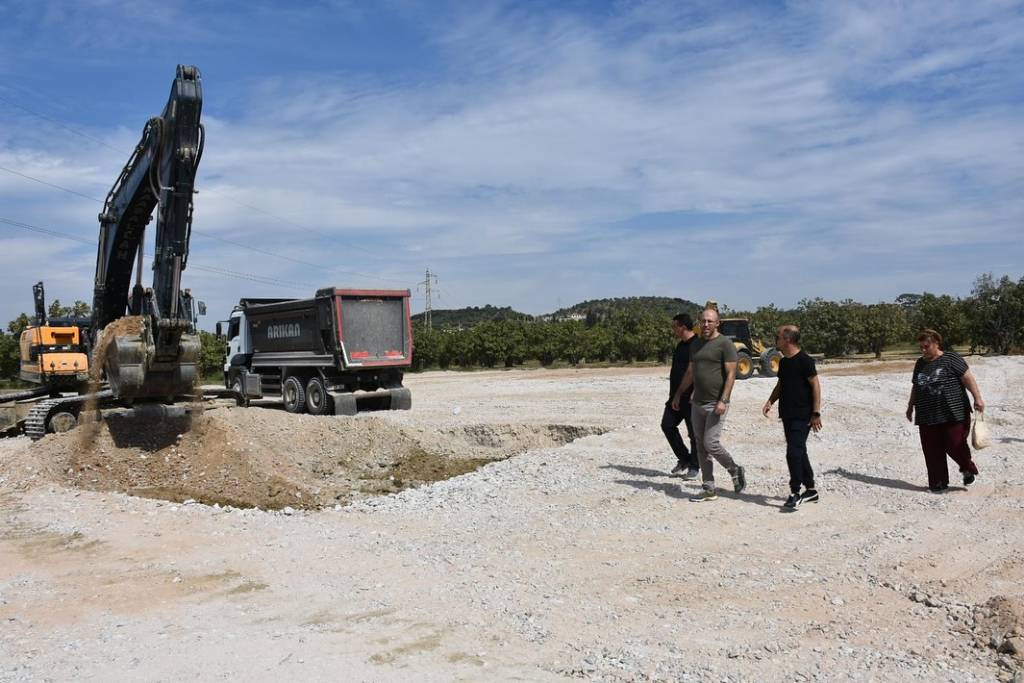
691, 474
739, 479
706, 495
678, 470
938, 489
809, 496
792, 503
968, 478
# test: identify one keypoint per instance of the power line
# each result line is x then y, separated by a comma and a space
209, 269
205, 234
257, 209
58, 123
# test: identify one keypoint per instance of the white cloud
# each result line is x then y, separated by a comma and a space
826, 143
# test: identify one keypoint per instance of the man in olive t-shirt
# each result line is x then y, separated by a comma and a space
712, 373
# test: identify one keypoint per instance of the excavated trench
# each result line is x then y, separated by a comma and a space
271, 459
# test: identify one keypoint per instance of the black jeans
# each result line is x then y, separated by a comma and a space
670, 420
800, 471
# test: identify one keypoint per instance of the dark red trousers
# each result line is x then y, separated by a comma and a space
938, 441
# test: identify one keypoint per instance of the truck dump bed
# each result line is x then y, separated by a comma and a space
349, 328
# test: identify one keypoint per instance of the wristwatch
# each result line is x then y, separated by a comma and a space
724, 400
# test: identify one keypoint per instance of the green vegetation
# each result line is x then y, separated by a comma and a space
636, 329
473, 315
600, 310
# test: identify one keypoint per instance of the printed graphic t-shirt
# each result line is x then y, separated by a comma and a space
939, 395
708, 358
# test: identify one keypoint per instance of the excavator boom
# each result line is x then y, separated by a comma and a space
153, 355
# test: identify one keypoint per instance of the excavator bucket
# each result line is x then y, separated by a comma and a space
133, 367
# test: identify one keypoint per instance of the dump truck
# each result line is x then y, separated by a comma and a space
341, 351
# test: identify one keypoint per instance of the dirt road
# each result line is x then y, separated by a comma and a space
579, 560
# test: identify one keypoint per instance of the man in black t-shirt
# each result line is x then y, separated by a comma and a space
799, 396
686, 458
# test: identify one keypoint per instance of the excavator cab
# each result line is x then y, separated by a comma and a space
52, 349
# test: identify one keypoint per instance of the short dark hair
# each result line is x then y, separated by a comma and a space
790, 333
930, 335
683, 319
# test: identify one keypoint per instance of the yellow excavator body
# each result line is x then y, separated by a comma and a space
53, 355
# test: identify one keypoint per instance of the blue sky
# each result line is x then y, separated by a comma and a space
532, 154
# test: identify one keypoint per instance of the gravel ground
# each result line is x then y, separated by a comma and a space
577, 561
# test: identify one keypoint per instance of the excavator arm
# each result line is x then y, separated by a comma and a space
157, 356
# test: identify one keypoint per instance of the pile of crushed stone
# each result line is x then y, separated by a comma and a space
269, 458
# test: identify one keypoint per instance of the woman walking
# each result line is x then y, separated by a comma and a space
943, 412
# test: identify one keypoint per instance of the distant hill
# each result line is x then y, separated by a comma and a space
599, 309
592, 311
473, 315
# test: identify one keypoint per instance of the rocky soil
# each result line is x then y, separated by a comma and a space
250, 543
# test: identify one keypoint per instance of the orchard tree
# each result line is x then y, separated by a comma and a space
10, 355
79, 309
766, 320
882, 325
996, 313
19, 324
942, 313
828, 327
211, 355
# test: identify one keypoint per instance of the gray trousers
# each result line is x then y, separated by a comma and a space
707, 428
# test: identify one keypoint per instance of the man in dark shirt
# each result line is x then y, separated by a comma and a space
799, 396
686, 465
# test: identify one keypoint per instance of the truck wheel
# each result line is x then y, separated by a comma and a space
294, 395
770, 360
744, 365
238, 390
317, 400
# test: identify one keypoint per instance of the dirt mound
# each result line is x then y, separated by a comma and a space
129, 325
272, 459
1001, 625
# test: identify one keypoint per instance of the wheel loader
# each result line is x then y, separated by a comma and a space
752, 354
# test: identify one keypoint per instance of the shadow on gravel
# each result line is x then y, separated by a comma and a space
670, 490
636, 471
679, 493
764, 501
877, 481
1010, 439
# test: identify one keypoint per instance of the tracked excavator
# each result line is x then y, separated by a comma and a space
143, 348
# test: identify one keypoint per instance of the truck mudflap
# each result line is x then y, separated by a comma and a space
348, 403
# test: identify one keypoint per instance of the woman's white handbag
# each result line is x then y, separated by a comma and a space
979, 434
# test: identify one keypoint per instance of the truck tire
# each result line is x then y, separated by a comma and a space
770, 362
294, 395
317, 400
744, 365
238, 389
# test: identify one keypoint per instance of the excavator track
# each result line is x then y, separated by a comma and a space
38, 417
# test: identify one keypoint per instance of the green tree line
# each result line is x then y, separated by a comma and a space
991, 320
